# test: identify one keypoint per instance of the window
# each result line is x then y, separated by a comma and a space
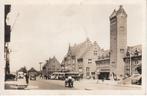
80, 60
89, 61
87, 69
121, 28
87, 73
122, 50
93, 73
136, 61
95, 52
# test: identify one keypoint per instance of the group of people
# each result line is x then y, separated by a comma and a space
69, 81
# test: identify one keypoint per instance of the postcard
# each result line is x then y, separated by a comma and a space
73, 47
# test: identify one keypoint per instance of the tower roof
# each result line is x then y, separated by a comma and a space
113, 14
119, 11
69, 50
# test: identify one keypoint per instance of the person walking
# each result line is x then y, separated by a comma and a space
97, 78
27, 78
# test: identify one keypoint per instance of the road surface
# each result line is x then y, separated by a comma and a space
42, 84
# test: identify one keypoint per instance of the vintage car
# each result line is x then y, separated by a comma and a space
32, 77
58, 76
74, 75
21, 80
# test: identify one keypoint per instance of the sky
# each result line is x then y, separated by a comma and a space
41, 31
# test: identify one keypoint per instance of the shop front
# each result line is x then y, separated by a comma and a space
104, 74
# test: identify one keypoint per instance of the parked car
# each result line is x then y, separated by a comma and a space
32, 77
52, 77
136, 78
21, 80
58, 76
74, 75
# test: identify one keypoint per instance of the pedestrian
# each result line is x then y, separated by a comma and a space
93, 77
97, 78
27, 78
103, 79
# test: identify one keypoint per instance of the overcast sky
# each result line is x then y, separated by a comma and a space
42, 31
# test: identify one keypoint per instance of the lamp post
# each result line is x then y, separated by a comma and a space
97, 73
40, 68
130, 64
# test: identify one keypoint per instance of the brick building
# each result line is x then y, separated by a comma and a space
121, 60
51, 65
81, 58
133, 59
33, 72
90, 60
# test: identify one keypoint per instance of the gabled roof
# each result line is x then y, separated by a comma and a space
32, 70
121, 10
51, 61
80, 49
22, 69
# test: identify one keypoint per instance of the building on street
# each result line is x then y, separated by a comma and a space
33, 72
130, 61
52, 65
81, 58
133, 59
103, 65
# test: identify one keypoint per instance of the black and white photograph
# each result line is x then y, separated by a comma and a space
87, 46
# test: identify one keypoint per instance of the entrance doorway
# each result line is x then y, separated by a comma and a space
104, 75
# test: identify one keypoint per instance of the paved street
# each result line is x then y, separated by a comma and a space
48, 85
42, 84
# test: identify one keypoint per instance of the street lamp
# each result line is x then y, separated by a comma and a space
130, 64
97, 73
40, 68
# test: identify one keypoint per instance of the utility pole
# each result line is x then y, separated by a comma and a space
130, 65
40, 69
7, 32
